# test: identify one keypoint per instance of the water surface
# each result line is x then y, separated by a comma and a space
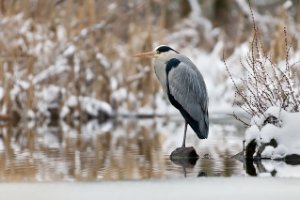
121, 149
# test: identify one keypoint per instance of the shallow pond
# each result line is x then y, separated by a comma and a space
124, 149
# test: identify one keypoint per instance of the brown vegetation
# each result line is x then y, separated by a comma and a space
84, 47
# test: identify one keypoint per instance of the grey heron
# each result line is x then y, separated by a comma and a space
184, 86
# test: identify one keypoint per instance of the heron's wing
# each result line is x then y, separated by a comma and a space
187, 87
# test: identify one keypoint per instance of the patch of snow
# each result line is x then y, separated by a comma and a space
70, 50
262, 20
64, 112
287, 136
94, 106
103, 60
31, 124
197, 17
113, 83
85, 31
268, 132
287, 4
163, 106
89, 75
257, 120
23, 84
280, 151
49, 97
43, 108
119, 95
72, 101
251, 133
30, 114
274, 111
2, 145
77, 66
61, 33
59, 67
51, 94
1, 93
14, 92
268, 152
282, 169
112, 7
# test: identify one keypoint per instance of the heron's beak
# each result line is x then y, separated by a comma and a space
149, 54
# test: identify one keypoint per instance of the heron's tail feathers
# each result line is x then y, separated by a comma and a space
201, 128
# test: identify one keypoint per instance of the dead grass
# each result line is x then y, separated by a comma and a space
92, 29
35, 36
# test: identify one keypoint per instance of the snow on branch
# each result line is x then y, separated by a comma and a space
266, 83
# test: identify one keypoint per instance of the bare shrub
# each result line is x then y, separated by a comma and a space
267, 83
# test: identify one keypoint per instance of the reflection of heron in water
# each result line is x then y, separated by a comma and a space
184, 86
185, 162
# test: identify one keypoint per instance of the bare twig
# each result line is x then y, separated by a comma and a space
266, 84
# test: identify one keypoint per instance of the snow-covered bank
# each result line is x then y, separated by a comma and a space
276, 134
202, 188
48, 59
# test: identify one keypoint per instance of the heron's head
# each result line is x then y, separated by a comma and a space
160, 52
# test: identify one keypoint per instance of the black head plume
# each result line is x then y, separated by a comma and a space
164, 48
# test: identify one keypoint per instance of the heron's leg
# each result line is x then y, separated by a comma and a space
184, 135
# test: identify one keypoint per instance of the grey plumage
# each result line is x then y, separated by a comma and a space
184, 86
187, 86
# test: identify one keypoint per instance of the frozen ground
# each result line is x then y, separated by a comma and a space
203, 188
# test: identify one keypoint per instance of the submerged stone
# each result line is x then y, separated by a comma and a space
183, 152
184, 156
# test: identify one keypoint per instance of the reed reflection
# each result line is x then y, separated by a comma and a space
114, 150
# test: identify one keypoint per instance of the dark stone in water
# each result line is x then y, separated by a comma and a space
273, 173
202, 174
250, 149
184, 156
254, 165
250, 168
293, 159
184, 152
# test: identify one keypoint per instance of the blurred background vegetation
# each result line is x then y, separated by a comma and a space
55, 54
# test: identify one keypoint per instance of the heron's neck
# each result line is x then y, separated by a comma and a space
160, 71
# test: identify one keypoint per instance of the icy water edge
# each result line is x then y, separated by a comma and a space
124, 149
